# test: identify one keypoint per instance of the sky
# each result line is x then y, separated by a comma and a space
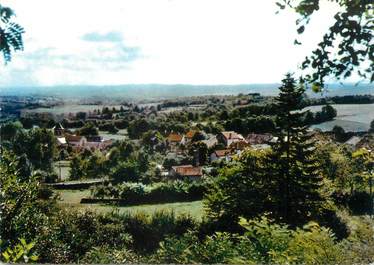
112, 42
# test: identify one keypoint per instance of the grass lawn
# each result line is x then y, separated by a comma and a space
71, 198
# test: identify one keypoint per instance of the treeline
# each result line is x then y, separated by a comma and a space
138, 193
349, 99
261, 119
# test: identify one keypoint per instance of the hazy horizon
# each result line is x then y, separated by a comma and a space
166, 91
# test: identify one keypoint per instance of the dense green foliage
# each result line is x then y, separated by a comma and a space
350, 37
37, 145
137, 193
9, 130
89, 129
87, 165
122, 163
266, 242
10, 33
293, 166
286, 182
24, 206
75, 236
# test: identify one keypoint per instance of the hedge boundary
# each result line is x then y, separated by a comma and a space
126, 202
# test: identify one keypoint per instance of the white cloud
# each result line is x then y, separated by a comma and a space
157, 41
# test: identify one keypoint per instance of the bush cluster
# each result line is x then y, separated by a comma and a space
76, 236
138, 193
266, 242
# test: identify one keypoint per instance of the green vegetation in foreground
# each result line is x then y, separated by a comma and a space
71, 198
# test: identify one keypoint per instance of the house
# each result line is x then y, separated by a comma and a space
187, 138
239, 146
186, 171
89, 142
76, 141
97, 142
61, 141
229, 137
174, 140
225, 154
211, 141
58, 130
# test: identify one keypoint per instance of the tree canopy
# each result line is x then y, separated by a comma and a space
347, 47
10, 33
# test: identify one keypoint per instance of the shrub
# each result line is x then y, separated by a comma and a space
47, 176
314, 245
148, 231
105, 255
359, 247
263, 242
20, 252
69, 235
218, 248
45, 192
138, 193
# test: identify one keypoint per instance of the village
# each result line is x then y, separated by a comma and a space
222, 147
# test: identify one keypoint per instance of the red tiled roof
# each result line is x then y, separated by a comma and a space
73, 138
240, 145
188, 170
190, 134
174, 137
231, 135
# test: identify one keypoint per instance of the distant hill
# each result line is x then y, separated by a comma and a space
160, 91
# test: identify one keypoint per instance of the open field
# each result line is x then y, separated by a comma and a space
351, 117
66, 109
120, 135
71, 198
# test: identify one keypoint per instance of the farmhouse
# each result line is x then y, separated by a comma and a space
186, 171
82, 142
239, 146
229, 137
97, 142
221, 155
187, 138
174, 140
76, 140
58, 130
61, 142
211, 141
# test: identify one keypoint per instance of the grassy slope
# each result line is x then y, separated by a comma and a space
71, 198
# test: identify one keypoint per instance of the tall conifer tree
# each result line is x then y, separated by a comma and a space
294, 168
